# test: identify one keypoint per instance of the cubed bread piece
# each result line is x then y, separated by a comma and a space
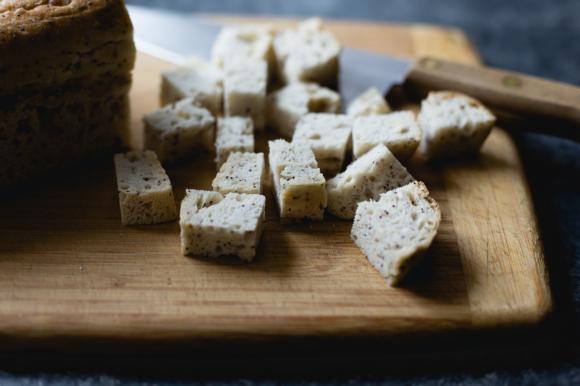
301, 194
453, 125
176, 130
286, 106
145, 193
199, 81
328, 135
241, 173
245, 90
370, 102
308, 53
366, 178
213, 225
396, 231
282, 154
233, 134
399, 131
245, 43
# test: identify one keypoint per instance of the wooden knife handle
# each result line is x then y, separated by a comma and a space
554, 107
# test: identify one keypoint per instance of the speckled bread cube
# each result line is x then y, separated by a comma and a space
399, 131
328, 135
145, 193
395, 232
241, 173
245, 90
233, 134
308, 53
245, 43
200, 82
453, 125
213, 225
301, 194
370, 102
282, 153
176, 130
366, 178
286, 106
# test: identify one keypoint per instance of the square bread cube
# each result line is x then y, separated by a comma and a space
395, 232
286, 106
176, 130
328, 135
302, 194
241, 173
145, 193
213, 225
245, 43
245, 90
453, 125
366, 178
282, 153
200, 82
233, 134
370, 102
399, 131
308, 53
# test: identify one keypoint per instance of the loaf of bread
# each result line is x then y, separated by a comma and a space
453, 125
370, 102
233, 134
366, 178
395, 231
145, 193
241, 173
64, 79
213, 225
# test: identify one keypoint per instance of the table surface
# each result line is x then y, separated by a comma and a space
533, 36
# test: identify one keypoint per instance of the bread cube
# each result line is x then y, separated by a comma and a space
233, 134
286, 106
145, 193
328, 135
453, 125
249, 42
241, 173
245, 90
399, 131
213, 225
282, 153
301, 194
200, 82
176, 130
369, 176
395, 232
370, 102
308, 53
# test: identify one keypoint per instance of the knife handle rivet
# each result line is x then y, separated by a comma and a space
429, 63
512, 81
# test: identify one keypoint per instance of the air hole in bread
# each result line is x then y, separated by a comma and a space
315, 136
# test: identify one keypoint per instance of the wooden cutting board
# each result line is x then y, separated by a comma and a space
72, 276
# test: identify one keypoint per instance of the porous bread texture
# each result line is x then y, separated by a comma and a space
308, 53
395, 231
145, 193
329, 137
198, 81
252, 42
286, 106
213, 225
453, 125
369, 176
245, 85
399, 131
370, 102
302, 194
175, 131
241, 173
233, 134
282, 153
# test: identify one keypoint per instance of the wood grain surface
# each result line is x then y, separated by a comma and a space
71, 275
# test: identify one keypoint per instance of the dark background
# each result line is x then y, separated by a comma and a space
536, 37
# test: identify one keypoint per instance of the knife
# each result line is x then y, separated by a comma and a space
520, 101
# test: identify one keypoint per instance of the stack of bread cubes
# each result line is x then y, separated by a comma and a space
286, 82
